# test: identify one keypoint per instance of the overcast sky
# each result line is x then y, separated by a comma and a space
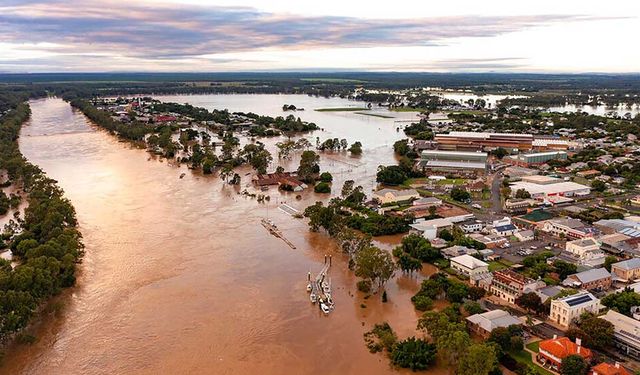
253, 35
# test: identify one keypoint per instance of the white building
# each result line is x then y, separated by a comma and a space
469, 266
565, 310
543, 186
626, 333
486, 322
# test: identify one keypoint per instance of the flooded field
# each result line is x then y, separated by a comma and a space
179, 277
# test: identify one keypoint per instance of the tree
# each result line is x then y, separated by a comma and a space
356, 148
472, 308
326, 177
529, 301
608, 261
412, 353
347, 188
480, 359
564, 269
459, 194
622, 302
322, 188
499, 152
374, 264
522, 194
598, 186
573, 365
401, 147
598, 332
476, 292
422, 303
391, 175
456, 292
308, 166
408, 263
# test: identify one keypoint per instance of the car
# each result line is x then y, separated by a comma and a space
476, 206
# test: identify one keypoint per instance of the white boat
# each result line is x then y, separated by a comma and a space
309, 288
329, 301
325, 309
313, 298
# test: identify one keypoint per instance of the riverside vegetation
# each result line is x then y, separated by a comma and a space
45, 242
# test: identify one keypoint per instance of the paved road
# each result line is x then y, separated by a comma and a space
496, 183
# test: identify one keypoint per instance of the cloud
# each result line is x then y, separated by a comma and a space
170, 32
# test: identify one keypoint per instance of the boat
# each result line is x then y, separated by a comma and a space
313, 298
325, 309
329, 301
309, 287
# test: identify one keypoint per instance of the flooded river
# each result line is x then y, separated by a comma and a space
180, 278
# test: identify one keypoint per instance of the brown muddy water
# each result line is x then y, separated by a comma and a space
179, 277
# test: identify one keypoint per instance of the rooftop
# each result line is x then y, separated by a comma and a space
397, 193
484, 135
629, 264
469, 261
563, 347
591, 275
577, 299
453, 153
548, 189
454, 164
491, 320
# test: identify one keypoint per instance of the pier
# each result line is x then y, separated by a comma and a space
273, 229
320, 288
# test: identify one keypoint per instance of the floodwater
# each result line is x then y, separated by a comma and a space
179, 277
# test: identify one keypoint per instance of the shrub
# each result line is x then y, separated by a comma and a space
322, 187
326, 177
412, 353
422, 303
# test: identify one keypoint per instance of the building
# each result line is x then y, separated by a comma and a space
427, 202
483, 324
568, 228
550, 144
518, 206
582, 246
590, 173
505, 230
461, 162
608, 369
627, 270
471, 225
469, 266
626, 333
595, 279
386, 196
565, 310
541, 187
491, 241
538, 158
456, 251
525, 235
458, 140
509, 285
553, 351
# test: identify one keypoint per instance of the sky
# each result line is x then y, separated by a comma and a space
542, 36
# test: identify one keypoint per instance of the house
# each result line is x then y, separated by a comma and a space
483, 324
386, 196
505, 230
590, 173
471, 225
595, 279
525, 235
553, 351
518, 206
569, 228
627, 270
469, 266
566, 310
509, 285
608, 369
626, 333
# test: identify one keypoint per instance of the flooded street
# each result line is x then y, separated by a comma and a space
179, 277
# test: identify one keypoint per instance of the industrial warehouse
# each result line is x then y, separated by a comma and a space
538, 158
465, 163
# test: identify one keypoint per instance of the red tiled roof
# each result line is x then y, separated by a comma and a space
609, 369
563, 347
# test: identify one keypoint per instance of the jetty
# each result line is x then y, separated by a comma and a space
273, 229
320, 288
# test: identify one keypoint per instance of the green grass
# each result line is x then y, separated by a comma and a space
408, 109
452, 181
534, 346
494, 266
524, 357
342, 109
373, 114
